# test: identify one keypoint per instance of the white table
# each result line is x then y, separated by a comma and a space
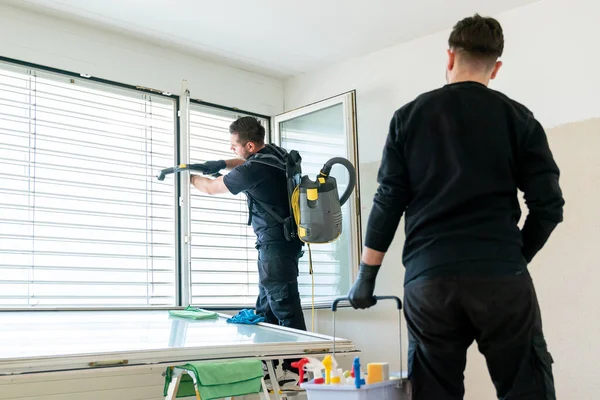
45, 341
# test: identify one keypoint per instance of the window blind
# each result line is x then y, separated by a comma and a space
223, 256
83, 220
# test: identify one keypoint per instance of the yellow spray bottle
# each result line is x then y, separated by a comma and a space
327, 363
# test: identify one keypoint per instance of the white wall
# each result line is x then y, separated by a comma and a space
550, 65
66, 45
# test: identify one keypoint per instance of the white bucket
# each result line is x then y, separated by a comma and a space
387, 390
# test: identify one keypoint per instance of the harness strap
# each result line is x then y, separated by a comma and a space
250, 201
264, 206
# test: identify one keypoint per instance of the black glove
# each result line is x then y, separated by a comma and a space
212, 167
361, 293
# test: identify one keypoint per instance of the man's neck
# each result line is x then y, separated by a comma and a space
257, 150
467, 77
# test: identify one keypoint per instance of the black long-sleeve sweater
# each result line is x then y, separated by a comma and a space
453, 162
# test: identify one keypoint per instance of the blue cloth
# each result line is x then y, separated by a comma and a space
246, 317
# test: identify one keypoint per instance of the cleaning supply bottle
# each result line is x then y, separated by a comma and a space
327, 363
300, 366
315, 367
356, 368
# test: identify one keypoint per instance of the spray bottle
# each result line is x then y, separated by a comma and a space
357, 380
316, 367
300, 366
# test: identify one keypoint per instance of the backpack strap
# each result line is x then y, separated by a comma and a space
281, 152
264, 206
290, 164
270, 160
276, 161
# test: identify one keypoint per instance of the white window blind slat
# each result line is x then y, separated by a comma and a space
83, 221
223, 257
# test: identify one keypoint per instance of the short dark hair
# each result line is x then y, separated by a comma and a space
479, 38
248, 129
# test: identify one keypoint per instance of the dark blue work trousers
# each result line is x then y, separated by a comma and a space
279, 299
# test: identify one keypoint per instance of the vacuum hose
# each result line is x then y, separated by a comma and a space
183, 167
352, 181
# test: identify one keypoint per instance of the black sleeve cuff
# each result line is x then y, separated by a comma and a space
381, 229
535, 234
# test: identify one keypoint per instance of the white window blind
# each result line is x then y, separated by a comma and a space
83, 220
223, 256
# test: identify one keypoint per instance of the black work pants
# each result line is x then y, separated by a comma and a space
279, 299
501, 313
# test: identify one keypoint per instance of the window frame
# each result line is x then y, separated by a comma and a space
348, 102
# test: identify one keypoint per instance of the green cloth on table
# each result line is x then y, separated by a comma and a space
186, 385
219, 379
193, 313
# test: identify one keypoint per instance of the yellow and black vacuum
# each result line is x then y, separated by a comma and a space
317, 205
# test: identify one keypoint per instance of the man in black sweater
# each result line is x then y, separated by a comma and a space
453, 163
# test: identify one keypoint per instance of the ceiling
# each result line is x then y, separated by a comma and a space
279, 38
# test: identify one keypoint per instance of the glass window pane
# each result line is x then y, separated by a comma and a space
319, 136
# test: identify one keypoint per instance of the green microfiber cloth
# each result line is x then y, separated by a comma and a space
220, 379
193, 313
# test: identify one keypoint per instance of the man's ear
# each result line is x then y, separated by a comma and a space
451, 59
496, 69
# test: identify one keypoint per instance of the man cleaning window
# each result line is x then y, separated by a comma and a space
278, 299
